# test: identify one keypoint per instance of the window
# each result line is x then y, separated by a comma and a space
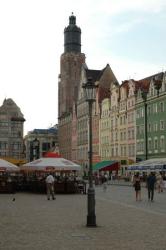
161, 107
15, 145
142, 112
142, 129
151, 91
3, 145
149, 110
155, 126
137, 146
116, 122
129, 118
142, 146
112, 136
149, 127
133, 150
155, 108
162, 146
121, 135
45, 146
129, 150
150, 144
165, 85
121, 148
138, 114
161, 125
116, 151
129, 134
155, 144
111, 123
121, 120
124, 151
112, 151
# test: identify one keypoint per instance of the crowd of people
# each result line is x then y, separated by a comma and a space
153, 181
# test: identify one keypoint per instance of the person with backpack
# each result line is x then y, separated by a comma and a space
151, 180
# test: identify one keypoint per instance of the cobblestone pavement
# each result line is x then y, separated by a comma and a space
32, 223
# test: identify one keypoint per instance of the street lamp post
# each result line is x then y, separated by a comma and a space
144, 97
90, 96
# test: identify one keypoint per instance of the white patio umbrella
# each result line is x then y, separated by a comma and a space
6, 166
51, 164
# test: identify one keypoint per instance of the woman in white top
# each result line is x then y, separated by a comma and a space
159, 183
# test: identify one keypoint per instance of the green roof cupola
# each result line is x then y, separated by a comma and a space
72, 36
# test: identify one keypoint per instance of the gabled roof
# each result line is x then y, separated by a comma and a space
145, 82
149, 78
125, 85
10, 107
108, 77
95, 74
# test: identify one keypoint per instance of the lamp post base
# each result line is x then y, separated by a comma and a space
91, 217
91, 221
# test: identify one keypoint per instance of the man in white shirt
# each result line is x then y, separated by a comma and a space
50, 186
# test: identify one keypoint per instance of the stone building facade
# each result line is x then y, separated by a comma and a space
82, 117
11, 132
131, 125
105, 139
114, 122
46, 139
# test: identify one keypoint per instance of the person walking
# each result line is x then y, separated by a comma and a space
159, 182
137, 186
151, 180
50, 186
105, 186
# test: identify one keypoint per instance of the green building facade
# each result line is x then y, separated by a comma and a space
151, 117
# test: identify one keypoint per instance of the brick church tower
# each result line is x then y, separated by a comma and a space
70, 66
70, 70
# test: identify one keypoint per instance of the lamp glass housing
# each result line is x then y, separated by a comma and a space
89, 90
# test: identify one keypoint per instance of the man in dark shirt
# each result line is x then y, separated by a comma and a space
151, 180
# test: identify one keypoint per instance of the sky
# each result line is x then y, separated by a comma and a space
129, 35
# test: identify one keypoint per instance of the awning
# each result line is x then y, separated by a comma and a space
151, 164
106, 166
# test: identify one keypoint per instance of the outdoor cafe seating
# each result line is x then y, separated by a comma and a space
63, 170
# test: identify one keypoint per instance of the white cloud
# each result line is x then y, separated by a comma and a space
119, 6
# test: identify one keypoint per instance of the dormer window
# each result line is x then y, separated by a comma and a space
151, 91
